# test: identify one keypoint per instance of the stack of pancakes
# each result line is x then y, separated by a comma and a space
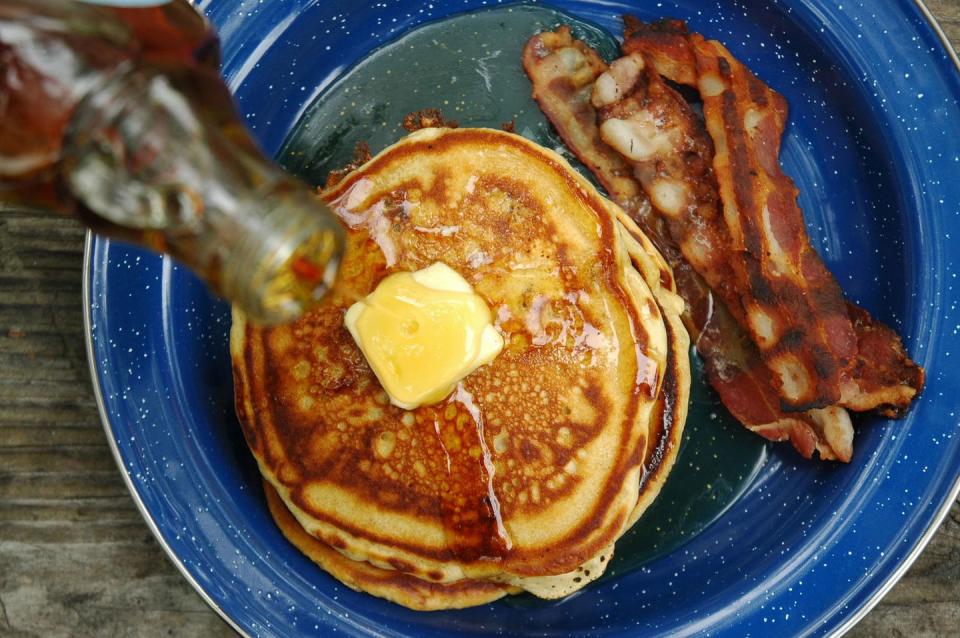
538, 462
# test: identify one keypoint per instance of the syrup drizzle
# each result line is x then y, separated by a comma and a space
443, 446
465, 398
375, 219
471, 511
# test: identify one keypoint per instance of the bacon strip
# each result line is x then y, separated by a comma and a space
734, 369
883, 377
563, 71
666, 44
794, 307
657, 133
880, 376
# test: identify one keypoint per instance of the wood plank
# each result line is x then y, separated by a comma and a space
104, 483
54, 436
76, 511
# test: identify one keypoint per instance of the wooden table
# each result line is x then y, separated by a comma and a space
75, 557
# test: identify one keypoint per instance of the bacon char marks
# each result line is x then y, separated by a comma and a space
784, 350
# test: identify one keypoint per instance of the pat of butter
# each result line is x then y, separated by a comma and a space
422, 332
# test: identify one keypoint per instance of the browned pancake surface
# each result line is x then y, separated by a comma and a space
531, 466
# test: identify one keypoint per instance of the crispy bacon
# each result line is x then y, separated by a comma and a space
880, 376
665, 44
794, 307
734, 368
883, 378
657, 133
563, 71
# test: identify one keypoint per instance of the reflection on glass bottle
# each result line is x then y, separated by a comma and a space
118, 117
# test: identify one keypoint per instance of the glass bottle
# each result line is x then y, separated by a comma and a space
117, 116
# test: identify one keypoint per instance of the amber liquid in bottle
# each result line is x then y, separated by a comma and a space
118, 117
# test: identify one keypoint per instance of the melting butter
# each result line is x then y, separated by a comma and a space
422, 332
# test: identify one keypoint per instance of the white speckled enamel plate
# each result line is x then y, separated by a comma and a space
747, 539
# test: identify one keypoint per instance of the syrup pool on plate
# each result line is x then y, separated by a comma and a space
469, 67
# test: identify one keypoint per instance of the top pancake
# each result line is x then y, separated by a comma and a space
532, 467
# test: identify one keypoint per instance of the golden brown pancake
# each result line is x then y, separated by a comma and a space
670, 413
533, 467
390, 584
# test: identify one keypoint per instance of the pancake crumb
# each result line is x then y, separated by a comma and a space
427, 118
361, 155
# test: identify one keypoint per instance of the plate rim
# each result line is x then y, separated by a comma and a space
87, 274
954, 492
105, 421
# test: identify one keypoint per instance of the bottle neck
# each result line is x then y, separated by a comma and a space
163, 151
286, 259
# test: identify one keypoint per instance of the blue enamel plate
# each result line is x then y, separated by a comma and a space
801, 548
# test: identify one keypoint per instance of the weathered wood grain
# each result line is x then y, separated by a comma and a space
75, 558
